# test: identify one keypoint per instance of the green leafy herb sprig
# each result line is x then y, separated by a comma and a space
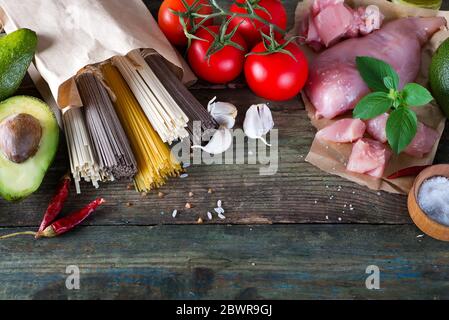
383, 80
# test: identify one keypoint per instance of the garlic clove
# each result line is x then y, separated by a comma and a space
220, 142
258, 122
211, 104
223, 112
225, 121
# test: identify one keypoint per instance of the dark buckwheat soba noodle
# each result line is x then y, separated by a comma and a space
115, 156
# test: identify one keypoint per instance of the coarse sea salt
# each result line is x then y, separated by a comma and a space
433, 198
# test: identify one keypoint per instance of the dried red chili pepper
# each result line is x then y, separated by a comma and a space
411, 171
57, 203
71, 221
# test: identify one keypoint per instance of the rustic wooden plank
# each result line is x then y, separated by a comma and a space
288, 197
227, 262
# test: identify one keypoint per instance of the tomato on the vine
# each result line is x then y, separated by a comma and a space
279, 75
272, 11
216, 58
170, 24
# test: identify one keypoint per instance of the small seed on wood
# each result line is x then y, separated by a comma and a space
191, 194
188, 205
160, 194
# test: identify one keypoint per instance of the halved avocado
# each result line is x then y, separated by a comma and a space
29, 137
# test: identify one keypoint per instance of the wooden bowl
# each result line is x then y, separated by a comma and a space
419, 217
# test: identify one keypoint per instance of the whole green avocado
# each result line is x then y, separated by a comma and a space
439, 76
16, 54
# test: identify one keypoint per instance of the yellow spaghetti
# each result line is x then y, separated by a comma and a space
154, 161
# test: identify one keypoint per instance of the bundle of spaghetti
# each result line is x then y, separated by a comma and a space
83, 158
154, 160
182, 96
114, 153
166, 117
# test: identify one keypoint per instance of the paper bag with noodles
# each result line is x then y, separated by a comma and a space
75, 34
333, 157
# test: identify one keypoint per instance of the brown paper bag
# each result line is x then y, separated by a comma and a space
74, 34
332, 157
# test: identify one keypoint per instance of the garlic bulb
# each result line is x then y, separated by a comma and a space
220, 142
223, 112
258, 122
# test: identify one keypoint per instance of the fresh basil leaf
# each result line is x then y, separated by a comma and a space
415, 95
374, 71
402, 126
389, 83
396, 103
372, 105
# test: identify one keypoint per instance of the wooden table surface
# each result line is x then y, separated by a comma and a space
287, 236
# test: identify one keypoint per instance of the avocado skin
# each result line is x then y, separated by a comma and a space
17, 51
439, 77
48, 161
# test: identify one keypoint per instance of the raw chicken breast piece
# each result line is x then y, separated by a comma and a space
320, 5
371, 18
376, 127
313, 38
343, 131
369, 157
423, 142
335, 86
333, 22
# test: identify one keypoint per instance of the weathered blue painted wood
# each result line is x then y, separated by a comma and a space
228, 262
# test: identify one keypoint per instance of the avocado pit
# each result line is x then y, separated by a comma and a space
20, 136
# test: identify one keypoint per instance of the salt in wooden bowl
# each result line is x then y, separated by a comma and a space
419, 217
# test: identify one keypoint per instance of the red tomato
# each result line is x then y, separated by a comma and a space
169, 22
251, 31
276, 76
224, 65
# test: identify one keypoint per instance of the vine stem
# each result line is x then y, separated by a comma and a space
273, 46
192, 13
12, 235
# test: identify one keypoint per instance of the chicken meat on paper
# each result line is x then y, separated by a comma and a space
421, 144
343, 131
331, 20
335, 85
